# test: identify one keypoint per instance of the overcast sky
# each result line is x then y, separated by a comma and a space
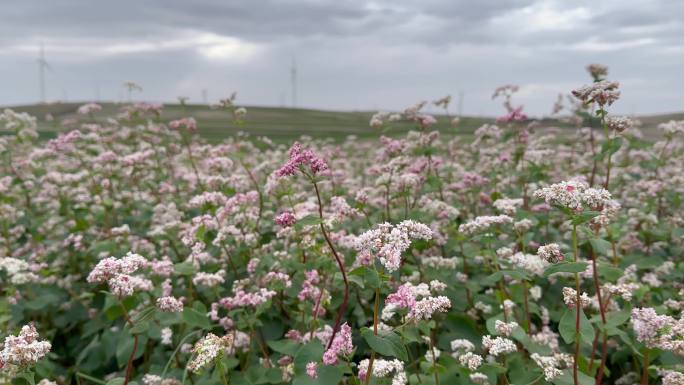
368, 55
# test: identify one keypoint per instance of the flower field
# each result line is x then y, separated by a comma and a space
133, 251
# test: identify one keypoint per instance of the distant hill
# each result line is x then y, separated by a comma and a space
283, 124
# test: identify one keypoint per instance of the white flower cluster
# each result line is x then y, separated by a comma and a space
603, 93
153, 379
498, 345
570, 298
531, 263
440, 262
425, 308
209, 279
550, 253
508, 206
470, 360
619, 123
117, 273
672, 127
552, 365
170, 304
23, 350
208, 349
383, 368
19, 271
463, 351
483, 223
388, 242
576, 195
504, 328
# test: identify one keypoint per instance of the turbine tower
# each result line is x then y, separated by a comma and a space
42, 66
293, 79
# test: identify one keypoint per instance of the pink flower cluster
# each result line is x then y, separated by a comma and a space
188, 123
300, 157
116, 273
341, 345
24, 349
285, 219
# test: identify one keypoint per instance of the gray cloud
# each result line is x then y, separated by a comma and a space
354, 54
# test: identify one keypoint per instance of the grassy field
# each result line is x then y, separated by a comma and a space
281, 124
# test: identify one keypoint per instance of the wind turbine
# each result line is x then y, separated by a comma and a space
293, 79
42, 66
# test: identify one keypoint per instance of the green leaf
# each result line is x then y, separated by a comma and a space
326, 375
370, 276
387, 343
567, 325
585, 216
116, 381
288, 347
184, 268
601, 246
566, 267
309, 220
28, 376
611, 273
617, 318
495, 277
196, 319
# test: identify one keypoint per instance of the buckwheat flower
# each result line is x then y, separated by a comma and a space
619, 123
479, 378
508, 306
123, 285
166, 336
672, 127
341, 345
209, 279
567, 194
535, 292
188, 123
425, 308
623, 290
507, 206
310, 288
548, 364
437, 286
45, 381
470, 360
209, 349
596, 198
483, 223
285, 219
440, 262
648, 326
388, 242
23, 350
462, 344
670, 377
239, 113
311, 370
504, 328
570, 298
299, 158
498, 345
603, 93
483, 307
170, 304
425, 121
597, 71
403, 298
430, 356
89, 108
384, 368
550, 253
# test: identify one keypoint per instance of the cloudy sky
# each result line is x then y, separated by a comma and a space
350, 54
